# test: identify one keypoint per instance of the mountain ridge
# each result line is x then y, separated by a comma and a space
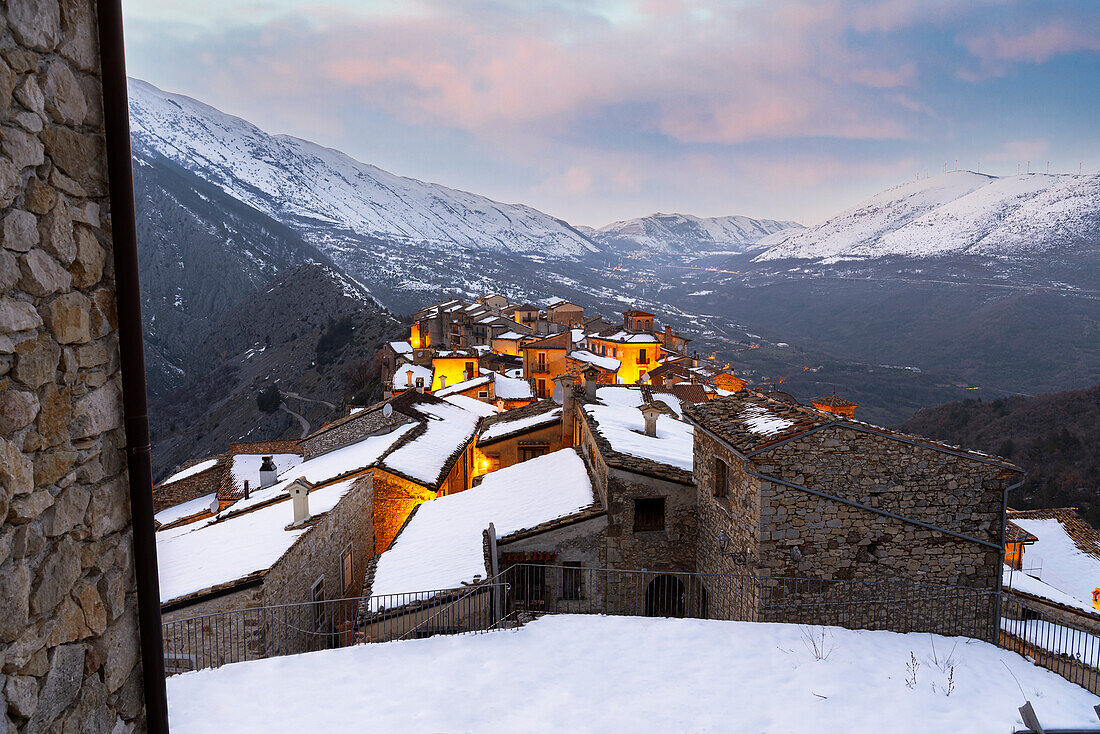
955, 214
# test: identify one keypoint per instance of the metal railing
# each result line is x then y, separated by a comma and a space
884, 605
1058, 644
219, 638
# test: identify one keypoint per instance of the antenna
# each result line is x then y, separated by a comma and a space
1029, 166
1048, 166
979, 167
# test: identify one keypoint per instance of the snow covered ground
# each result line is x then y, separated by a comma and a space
630, 674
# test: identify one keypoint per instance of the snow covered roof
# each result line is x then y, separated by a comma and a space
463, 386
196, 506
473, 405
440, 546
247, 467
511, 335
617, 420
1065, 558
213, 553
606, 363
190, 471
401, 347
512, 388
425, 455
626, 337
402, 381
519, 420
335, 464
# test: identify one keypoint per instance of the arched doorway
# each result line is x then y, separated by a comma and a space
664, 597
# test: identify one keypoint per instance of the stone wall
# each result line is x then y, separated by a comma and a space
195, 636
836, 540
68, 617
189, 488
505, 453
394, 500
318, 555
347, 430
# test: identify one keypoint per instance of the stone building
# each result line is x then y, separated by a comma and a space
263, 554
69, 608
785, 490
518, 435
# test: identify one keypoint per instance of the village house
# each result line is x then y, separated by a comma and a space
223, 477
504, 392
510, 342
518, 435
790, 491
450, 367
544, 359
565, 313
1052, 562
389, 355
637, 352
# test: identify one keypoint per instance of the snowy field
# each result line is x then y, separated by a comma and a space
618, 674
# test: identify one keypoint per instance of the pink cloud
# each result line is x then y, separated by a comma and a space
1035, 46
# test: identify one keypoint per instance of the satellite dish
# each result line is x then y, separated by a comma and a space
558, 395
387, 411
215, 506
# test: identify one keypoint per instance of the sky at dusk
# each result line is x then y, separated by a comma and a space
595, 111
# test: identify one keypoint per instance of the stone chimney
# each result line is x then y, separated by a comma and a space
299, 497
564, 388
650, 413
591, 375
442, 381
268, 473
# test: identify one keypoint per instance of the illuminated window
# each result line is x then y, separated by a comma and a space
649, 514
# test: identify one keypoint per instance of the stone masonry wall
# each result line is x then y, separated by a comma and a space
836, 540
68, 618
737, 515
189, 488
316, 555
394, 500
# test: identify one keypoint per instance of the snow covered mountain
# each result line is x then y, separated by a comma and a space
329, 194
960, 213
688, 234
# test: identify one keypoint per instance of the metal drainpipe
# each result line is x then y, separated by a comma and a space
132, 355
1000, 566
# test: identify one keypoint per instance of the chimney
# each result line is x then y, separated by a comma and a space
408, 378
591, 374
246, 489
564, 388
442, 381
299, 497
268, 473
650, 413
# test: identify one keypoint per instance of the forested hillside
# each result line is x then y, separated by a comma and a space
1055, 437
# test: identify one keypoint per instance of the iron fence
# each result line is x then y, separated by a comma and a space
212, 640
1056, 643
885, 605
